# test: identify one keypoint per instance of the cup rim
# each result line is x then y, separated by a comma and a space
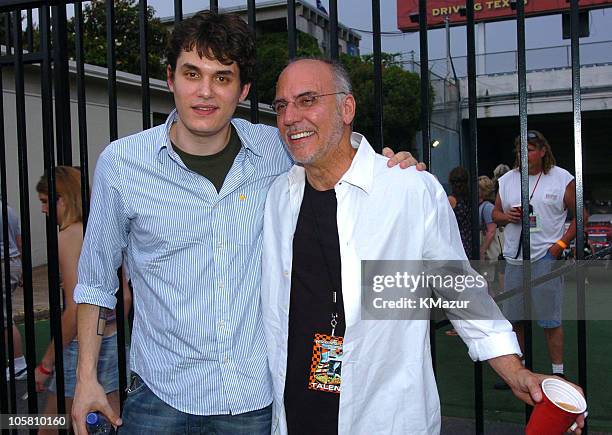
568, 387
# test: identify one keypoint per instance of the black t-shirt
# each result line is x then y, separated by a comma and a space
215, 167
309, 411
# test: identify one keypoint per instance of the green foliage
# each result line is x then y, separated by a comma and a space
401, 100
126, 37
273, 55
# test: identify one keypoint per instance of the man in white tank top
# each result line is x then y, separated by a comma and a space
552, 193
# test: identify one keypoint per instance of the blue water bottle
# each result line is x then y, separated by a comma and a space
97, 424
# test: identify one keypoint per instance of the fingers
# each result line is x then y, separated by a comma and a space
110, 414
387, 152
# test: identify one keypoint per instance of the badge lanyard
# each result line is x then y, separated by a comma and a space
334, 314
520, 245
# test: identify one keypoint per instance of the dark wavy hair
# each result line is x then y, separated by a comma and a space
537, 139
222, 37
458, 180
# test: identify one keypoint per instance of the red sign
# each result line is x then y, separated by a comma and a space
484, 10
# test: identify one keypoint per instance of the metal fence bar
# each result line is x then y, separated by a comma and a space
580, 240
378, 95
291, 29
424, 56
522, 86
82, 110
30, 31
178, 11
144, 64
8, 41
24, 202
473, 174
254, 100
111, 66
214, 6
62, 85
333, 30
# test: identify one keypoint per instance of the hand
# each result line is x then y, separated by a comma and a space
404, 158
526, 386
555, 250
89, 397
514, 215
41, 378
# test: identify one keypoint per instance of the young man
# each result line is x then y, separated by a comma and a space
552, 193
185, 201
334, 208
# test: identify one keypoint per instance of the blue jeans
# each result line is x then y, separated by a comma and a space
144, 413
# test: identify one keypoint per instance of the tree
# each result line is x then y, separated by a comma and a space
126, 37
273, 55
401, 99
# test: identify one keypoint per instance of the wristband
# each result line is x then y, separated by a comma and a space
43, 370
561, 243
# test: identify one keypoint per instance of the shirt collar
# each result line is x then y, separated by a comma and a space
240, 125
361, 172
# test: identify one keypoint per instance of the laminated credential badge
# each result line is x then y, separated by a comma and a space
326, 365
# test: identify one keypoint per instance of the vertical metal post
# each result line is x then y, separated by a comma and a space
424, 59
580, 241
82, 110
473, 172
378, 96
30, 31
333, 30
144, 64
178, 11
62, 85
291, 29
214, 6
522, 88
24, 199
111, 63
8, 39
252, 16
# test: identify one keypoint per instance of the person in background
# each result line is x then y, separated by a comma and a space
491, 239
459, 200
14, 245
498, 172
552, 195
70, 240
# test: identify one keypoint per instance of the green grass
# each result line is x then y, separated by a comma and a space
455, 370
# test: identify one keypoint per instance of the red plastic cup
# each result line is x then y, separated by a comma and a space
558, 409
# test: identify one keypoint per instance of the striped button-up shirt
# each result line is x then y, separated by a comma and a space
194, 257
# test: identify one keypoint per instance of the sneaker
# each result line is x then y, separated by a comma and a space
20, 375
501, 385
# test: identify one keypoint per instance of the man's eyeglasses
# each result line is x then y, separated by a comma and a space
302, 102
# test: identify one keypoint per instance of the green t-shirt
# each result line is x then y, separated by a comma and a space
215, 166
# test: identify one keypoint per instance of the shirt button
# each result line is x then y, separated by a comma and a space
226, 360
221, 285
221, 324
286, 273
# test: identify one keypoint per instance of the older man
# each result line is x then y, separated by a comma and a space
336, 206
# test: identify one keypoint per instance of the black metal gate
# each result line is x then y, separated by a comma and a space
52, 61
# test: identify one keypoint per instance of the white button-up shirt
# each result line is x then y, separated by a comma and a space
388, 384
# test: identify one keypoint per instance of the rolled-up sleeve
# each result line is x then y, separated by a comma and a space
105, 238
